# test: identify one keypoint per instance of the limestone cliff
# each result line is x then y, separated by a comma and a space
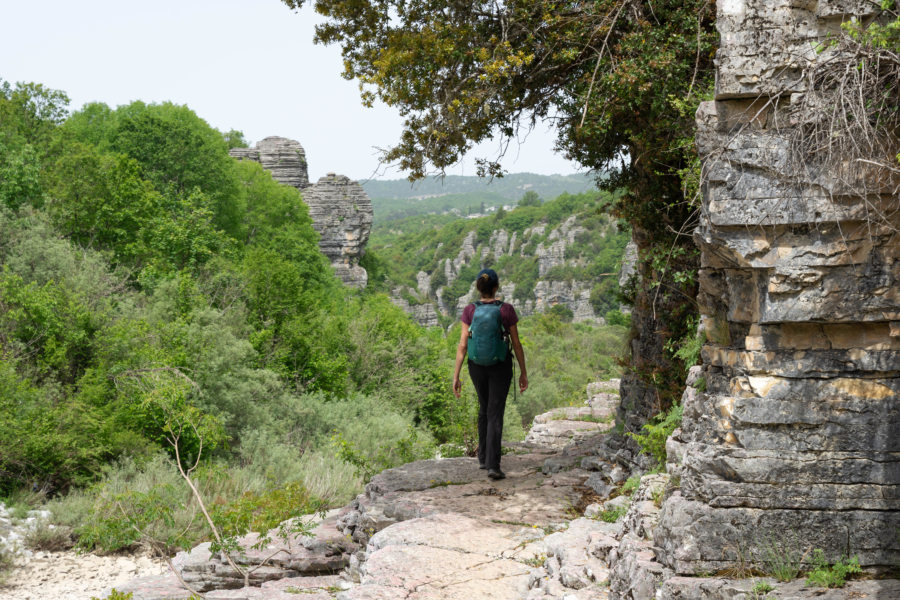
342, 214
795, 439
340, 209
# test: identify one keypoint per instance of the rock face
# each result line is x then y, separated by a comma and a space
340, 209
285, 159
795, 439
342, 214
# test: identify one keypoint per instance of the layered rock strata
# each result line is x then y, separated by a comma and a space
285, 159
340, 209
795, 440
342, 214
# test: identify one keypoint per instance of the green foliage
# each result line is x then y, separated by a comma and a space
762, 587
235, 139
20, 171
880, 33
114, 594
397, 452
30, 112
653, 439
177, 151
630, 485
687, 349
782, 559
617, 317
834, 575
760, 591
613, 514
530, 198
44, 536
562, 312
262, 511
48, 444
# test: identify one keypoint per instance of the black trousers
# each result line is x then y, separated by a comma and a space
492, 385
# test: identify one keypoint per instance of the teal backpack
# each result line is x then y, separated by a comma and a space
487, 338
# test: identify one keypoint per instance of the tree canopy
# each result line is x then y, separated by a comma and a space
610, 73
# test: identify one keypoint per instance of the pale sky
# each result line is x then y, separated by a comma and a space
243, 64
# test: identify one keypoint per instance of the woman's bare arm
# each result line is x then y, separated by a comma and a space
460, 355
520, 356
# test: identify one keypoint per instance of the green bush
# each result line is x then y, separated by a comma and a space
613, 514
827, 575
114, 594
653, 439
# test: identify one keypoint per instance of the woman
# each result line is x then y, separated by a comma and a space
491, 371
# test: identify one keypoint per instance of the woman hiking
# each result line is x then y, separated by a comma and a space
488, 328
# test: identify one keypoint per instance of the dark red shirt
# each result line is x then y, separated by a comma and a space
508, 315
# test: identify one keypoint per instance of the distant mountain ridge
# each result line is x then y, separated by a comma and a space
466, 195
510, 187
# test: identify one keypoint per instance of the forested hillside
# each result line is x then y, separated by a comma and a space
397, 199
563, 255
162, 303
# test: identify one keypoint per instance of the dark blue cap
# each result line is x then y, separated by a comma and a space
492, 276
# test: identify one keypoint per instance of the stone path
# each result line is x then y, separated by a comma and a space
440, 529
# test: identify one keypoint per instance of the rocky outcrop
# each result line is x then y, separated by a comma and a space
424, 313
285, 159
795, 437
340, 209
342, 214
549, 247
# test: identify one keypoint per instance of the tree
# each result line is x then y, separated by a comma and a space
530, 198
29, 112
178, 152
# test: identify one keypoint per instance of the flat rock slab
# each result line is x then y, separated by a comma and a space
707, 588
155, 587
426, 474
526, 496
167, 587
445, 556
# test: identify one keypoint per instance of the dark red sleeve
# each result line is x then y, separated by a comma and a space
467, 314
507, 315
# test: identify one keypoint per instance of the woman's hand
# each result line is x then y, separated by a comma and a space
523, 382
457, 386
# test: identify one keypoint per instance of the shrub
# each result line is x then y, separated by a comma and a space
7, 562
115, 594
613, 514
631, 484
831, 576
48, 537
653, 440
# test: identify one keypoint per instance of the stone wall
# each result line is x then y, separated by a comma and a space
340, 209
795, 440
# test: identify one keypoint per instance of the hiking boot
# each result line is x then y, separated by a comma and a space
496, 474
482, 466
